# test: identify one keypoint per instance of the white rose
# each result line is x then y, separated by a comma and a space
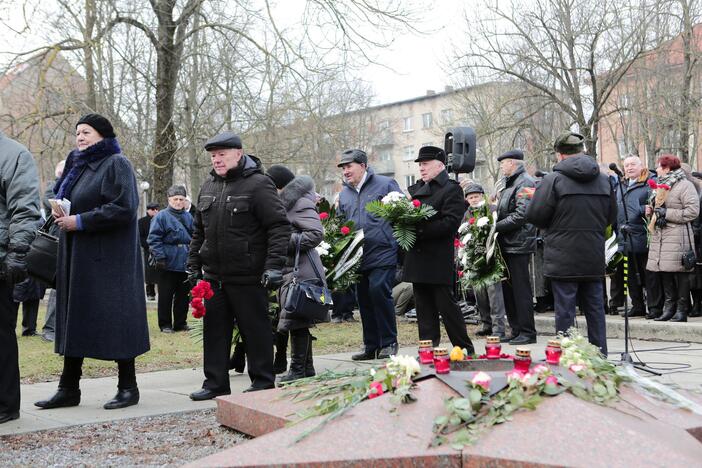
463, 228
483, 221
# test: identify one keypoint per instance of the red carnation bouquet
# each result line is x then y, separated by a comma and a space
660, 194
201, 291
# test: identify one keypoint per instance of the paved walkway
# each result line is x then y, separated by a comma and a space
167, 391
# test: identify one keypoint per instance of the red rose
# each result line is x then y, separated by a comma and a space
196, 302
471, 221
460, 273
345, 230
416, 203
652, 183
376, 389
323, 215
456, 243
663, 186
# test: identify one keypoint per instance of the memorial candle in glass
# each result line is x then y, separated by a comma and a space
553, 352
522, 360
442, 363
426, 353
493, 347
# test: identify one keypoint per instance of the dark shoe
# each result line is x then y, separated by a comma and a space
181, 329
667, 314
484, 332
5, 417
256, 389
386, 352
635, 313
350, 319
365, 355
336, 320
125, 397
522, 340
63, 398
507, 338
696, 310
653, 314
166, 330
679, 317
207, 394
29, 333
48, 337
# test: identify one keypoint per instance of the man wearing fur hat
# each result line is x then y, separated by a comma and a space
240, 244
430, 264
517, 240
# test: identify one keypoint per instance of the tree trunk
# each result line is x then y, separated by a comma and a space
91, 98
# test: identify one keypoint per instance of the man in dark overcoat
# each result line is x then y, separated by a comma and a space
240, 245
573, 205
517, 239
19, 213
150, 272
430, 264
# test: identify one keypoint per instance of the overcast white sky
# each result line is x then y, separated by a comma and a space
410, 66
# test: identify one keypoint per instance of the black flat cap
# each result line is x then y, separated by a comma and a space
569, 143
427, 153
512, 154
223, 140
177, 191
153, 206
353, 155
473, 188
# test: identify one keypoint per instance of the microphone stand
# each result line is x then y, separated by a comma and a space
625, 356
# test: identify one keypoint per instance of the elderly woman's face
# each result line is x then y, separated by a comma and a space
176, 202
86, 136
661, 171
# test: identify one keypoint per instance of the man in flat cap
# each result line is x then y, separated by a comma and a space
150, 274
379, 261
517, 240
573, 205
240, 244
430, 264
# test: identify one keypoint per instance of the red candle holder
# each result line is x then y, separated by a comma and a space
426, 353
493, 348
522, 360
553, 352
442, 363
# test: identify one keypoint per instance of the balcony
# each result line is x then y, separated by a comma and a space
383, 138
384, 167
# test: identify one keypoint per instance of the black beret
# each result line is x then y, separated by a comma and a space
569, 143
353, 155
99, 123
153, 206
281, 175
512, 154
473, 188
223, 140
427, 153
177, 191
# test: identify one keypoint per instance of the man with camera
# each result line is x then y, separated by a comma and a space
573, 205
239, 244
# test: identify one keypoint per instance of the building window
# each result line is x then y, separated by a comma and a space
409, 180
426, 120
408, 153
384, 124
446, 116
407, 127
385, 155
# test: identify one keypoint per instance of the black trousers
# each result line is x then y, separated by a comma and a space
654, 292
9, 365
73, 369
344, 303
432, 300
173, 290
30, 311
636, 284
519, 304
588, 294
247, 306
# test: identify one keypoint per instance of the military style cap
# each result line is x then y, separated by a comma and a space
153, 206
512, 154
427, 153
569, 143
353, 155
223, 140
473, 188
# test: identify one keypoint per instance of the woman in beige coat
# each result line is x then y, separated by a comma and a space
673, 236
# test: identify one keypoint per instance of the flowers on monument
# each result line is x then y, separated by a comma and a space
479, 255
402, 214
481, 379
375, 390
202, 290
458, 354
340, 253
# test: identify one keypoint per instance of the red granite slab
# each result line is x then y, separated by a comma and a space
372, 434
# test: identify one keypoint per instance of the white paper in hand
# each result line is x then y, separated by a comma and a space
61, 206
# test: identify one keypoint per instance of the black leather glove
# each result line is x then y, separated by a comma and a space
15, 267
272, 279
194, 275
660, 212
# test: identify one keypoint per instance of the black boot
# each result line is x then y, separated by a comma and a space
670, 295
309, 365
683, 308
124, 397
238, 359
696, 310
299, 346
63, 398
280, 362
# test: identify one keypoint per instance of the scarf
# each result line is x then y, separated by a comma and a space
670, 179
77, 160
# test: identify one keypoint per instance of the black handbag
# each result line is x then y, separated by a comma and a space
42, 257
309, 299
689, 259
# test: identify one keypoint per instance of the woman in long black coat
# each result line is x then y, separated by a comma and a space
298, 196
101, 309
